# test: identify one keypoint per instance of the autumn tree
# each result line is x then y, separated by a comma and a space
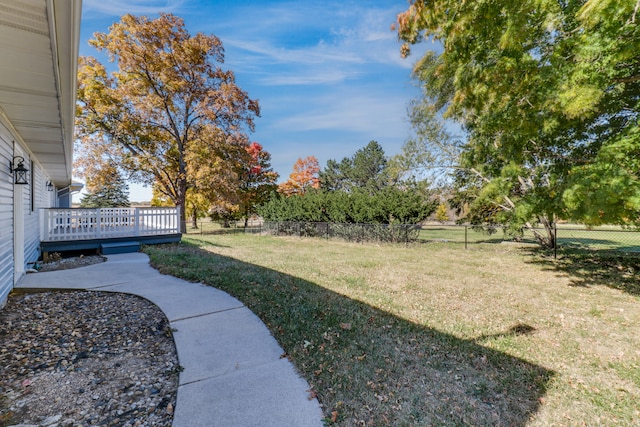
254, 180
548, 94
304, 177
257, 180
159, 199
169, 113
196, 206
441, 213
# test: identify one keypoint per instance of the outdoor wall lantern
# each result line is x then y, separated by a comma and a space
49, 186
19, 171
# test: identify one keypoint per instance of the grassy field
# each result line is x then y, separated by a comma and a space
569, 237
433, 334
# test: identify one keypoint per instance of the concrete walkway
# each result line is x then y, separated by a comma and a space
233, 371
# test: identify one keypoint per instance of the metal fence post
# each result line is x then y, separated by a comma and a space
465, 236
555, 240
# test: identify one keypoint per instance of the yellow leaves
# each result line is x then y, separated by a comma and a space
580, 100
509, 38
594, 10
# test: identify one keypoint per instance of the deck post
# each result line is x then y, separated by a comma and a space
136, 227
98, 223
44, 220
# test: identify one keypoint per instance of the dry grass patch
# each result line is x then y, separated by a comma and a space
434, 334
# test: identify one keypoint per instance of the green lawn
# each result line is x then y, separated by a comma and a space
435, 334
569, 237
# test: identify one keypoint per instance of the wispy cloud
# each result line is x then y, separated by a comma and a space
353, 111
341, 41
319, 77
275, 54
121, 7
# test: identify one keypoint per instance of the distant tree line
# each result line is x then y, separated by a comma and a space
358, 189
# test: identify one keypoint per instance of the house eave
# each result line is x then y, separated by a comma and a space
39, 42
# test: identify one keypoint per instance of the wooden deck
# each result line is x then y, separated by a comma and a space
83, 229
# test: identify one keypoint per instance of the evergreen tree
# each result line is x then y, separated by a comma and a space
108, 189
365, 170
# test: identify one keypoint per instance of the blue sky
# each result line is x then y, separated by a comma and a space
328, 74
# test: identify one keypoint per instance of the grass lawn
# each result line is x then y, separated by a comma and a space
434, 334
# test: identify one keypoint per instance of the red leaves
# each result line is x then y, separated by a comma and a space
254, 150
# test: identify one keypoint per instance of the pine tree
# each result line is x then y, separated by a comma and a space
107, 190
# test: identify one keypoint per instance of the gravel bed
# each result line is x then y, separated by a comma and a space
72, 262
86, 358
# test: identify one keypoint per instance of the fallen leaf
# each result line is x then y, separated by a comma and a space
334, 416
345, 326
26, 383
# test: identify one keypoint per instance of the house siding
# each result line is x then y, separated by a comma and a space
34, 197
6, 217
32, 218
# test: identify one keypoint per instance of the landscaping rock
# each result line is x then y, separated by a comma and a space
87, 358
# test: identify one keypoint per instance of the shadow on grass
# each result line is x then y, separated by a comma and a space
204, 231
515, 330
614, 269
367, 366
219, 231
201, 240
577, 244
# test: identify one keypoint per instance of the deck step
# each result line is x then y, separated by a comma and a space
119, 248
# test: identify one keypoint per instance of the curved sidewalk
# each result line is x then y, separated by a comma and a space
233, 374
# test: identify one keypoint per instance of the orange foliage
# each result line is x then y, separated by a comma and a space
304, 176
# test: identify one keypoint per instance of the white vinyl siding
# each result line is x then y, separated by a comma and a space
32, 218
34, 195
6, 217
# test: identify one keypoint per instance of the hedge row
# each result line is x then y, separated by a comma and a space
389, 206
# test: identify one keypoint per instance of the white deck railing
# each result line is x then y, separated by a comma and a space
83, 224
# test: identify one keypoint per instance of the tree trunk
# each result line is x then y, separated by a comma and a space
183, 220
548, 238
194, 218
181, 203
